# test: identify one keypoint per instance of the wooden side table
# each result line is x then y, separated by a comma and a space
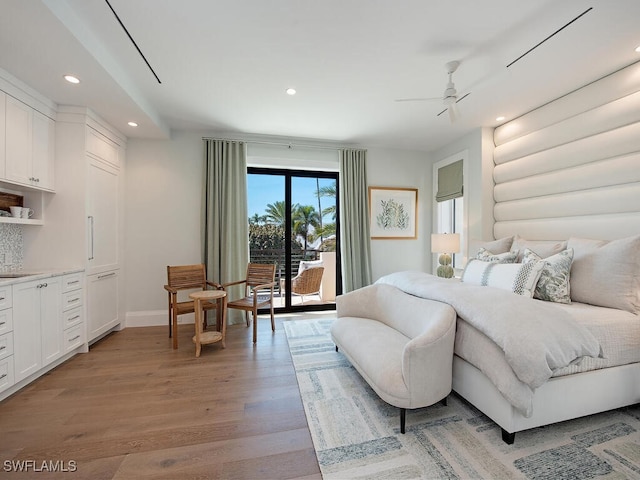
208, 337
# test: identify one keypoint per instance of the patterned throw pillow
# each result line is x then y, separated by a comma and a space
486, 256
519, 278
553, 285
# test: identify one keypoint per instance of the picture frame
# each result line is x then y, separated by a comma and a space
393, 213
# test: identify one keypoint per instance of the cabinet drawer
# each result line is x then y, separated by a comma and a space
102, 148
71, 300
6, 373
6, 321
71, 318
72, 281
5, 297
73, 338
6, 345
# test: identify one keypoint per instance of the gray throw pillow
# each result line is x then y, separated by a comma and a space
553, 284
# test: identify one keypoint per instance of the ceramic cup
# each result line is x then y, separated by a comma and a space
26, 212
16, 211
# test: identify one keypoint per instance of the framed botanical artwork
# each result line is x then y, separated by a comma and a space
394, 212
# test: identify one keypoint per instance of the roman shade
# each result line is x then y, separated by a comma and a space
449, 182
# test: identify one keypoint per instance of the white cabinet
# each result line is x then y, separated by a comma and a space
38, 332
102, 216
6, 339
3, 103
72, 312
91, 176
103, 234
102, 303
29, 146
43, 152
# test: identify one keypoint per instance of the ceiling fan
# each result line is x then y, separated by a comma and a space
449, 98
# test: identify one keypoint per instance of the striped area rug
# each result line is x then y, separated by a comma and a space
357, 435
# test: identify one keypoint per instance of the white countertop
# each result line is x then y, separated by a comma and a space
28, 275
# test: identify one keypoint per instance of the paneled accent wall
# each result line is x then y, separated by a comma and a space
572, 166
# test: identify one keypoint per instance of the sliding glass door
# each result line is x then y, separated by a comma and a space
293, 222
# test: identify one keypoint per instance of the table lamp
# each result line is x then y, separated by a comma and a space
445, 244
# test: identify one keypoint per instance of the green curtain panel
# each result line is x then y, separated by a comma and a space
354, 220
225, 213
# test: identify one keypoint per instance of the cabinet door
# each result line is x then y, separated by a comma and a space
3, 103
43, 151
102, 303
27, 333
51, 319
19, 136
102, 217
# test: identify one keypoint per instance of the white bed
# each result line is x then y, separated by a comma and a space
597, 385
570, 168
527, 362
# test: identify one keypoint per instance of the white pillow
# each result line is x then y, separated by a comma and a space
606, 273
544, 248
496, 246
553, 284
487, 256
305, 264
519, 278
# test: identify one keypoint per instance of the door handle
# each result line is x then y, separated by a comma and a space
91, 224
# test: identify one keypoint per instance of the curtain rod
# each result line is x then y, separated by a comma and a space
281, 144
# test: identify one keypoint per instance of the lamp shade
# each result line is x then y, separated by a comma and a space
445, 242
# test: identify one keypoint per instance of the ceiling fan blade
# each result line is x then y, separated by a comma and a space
454, 104
454, 114
418, 99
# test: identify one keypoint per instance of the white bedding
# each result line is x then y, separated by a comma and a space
617, 331
536, 338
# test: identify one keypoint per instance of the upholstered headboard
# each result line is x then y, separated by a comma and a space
572, 166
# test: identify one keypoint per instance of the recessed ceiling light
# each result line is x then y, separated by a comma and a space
72, 79
291, 91
638, 49
500, 118
132, 124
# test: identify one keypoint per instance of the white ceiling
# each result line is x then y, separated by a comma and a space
224, 65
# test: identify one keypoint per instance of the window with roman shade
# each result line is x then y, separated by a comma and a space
449, 182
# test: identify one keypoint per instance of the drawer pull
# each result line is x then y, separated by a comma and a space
2, 323
73, 282
2, 298
107, 275
74, 318
3, 347
74, 338
77, 299
2, 376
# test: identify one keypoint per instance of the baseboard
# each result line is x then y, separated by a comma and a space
154, 318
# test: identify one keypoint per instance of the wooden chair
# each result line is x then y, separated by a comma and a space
307, 282
259, 278
185, 277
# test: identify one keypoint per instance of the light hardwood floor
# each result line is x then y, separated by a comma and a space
134, 408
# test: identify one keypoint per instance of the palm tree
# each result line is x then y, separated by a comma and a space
256, 219
276, 213
305, 217
329, 191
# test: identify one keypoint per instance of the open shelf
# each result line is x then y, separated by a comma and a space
22, 221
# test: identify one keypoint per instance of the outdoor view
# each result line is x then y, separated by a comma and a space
312, 238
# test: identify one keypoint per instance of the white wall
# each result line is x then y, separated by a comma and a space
405, 169
163, 216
